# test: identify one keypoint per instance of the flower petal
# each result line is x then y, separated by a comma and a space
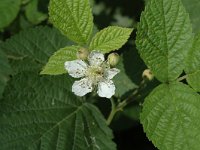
76, 68
82, 87
106, 89
110, 73
96, 58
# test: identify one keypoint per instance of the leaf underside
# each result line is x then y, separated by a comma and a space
30, 49
46, 115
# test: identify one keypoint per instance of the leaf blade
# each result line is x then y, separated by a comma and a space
32, 13
55, 65
159, 38
192, 7
192, 67
73, 18
8, 11
110, 38
170, 117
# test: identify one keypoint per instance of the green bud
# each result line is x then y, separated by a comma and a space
147, 74
82, 53
113, 59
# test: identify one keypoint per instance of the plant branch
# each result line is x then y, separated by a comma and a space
112, 113
182, 78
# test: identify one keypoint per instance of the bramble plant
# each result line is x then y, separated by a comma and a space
59, 75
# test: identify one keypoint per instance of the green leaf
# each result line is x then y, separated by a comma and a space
72, 18
131, 67
8, 11
170, 117
42, 113
4, 71
30, 49
193, 65
110, 39
164, 37
55, 65
192, 6
24, 23
32, 13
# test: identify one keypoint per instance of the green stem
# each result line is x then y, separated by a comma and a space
14, 57
112, 113
182, 78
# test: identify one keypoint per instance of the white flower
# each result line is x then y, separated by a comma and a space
95, 74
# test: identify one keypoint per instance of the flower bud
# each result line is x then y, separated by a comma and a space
113, 59
147, 74
82, 53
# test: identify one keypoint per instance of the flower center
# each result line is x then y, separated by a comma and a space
95, 74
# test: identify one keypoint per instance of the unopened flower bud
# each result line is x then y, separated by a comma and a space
82, 53
147, 74
113, 59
